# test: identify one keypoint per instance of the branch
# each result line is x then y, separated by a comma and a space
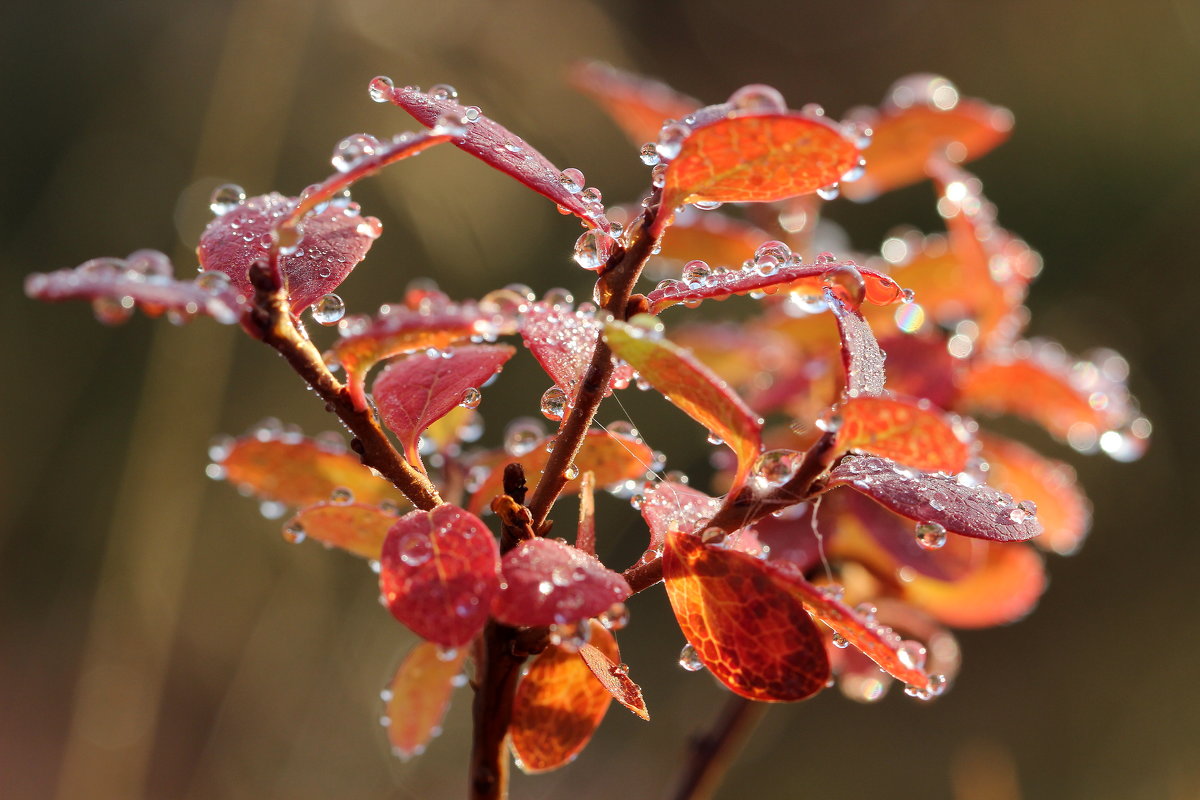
615, 287
712, 753
495, 686
271, 320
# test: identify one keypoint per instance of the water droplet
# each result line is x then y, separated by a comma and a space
758, 98
571, 472
450, 124
931, 535
349, 152
522, 436
911, 654
471, 398
472, 113
649, 154
293, 533
329, 310
714, 439
226, 198
341, 496
554, 403
694, 273
414, 548
380, 88
670, 139
847, 284
776, 466
840, 641
447, 653
593, 249
443, 91
572, 180
829, 192
591, 195
558, 297
616, 617
689, 659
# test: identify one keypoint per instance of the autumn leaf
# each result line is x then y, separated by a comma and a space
491, 143
562, 340
980, 511
638, 105
924, 116
757, 158
331, 244
909, 431
614, 677
558, 705
862, 358
142, 279
547, 582
1003, 587
675, 506
299, 472
614, 458
688, 384
1063, 509
710, 236
357, 528
405, 330
416, 390
439, 573
419, 694
744, 621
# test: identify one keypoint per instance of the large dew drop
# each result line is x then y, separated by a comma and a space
329, 310
689, 659
521, 436
226, 198
554, 403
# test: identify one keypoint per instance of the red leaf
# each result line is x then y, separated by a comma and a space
1005, 585
614, 677
744, 620
757, 158
794, 276
639, 105
920, 365
439, 573
1063, 510
613, 459
297, 471
406, 330
1084, 402
905, 430
861, 356
879, 643
330, 245
558, 705
357, 528
688, 384
923, 117
547, 582
980, 512
416, 390
492, 144
562, 341
418, 696
144, 278
675, 506
708, 235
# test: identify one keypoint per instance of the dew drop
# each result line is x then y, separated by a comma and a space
443, 91
670, 139
380, 88
776, 466
293, 533
329, 310
471, 398
847, 283
689, 659
414, 548
758, 98
341, 496
554, 403
840, 641
349, 152
522, 436
226, 198
649, 154
930, 535
571, 472
450, 124
572, 180
694, 273
829, 192
472, 114
593, 249
911, 654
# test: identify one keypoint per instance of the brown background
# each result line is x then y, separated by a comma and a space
157, 639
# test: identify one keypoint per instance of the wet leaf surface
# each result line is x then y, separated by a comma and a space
420, 694
905, 430
357, 528
547, 582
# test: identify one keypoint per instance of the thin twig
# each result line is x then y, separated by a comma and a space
712, 753
495, 686
271, 321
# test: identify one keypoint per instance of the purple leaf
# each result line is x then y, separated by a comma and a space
937, 499
861, 355
331, 243
547, 582
115, 286
562, 341
415, 391
493, 144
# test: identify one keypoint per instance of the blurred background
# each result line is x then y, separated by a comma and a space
157, 637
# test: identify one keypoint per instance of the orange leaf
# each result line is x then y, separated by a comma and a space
745, 621
558, 705
757, 158
710, 236
613, 459
614, 677
905, 430
1063, 509
1004, 587
357, 528
924, 117
688, 384
300, 472
1083, 402
418, 696
639, 105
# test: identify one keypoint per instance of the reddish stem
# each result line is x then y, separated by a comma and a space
712, 753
